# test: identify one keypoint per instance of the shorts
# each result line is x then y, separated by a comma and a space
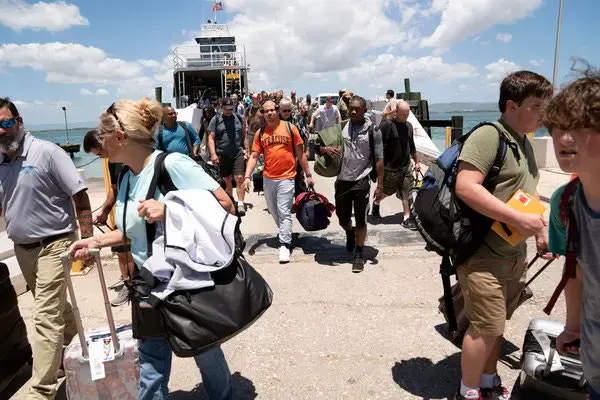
232, 165
352, 195
398, 182
491, 288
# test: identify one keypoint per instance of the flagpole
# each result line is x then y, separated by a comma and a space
557, 46
215, 11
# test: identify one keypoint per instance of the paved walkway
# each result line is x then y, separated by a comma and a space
332, 334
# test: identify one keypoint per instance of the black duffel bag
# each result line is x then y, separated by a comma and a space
198, 320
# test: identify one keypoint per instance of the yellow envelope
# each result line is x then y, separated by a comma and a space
522, 202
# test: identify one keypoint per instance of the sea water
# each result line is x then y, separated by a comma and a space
92, 166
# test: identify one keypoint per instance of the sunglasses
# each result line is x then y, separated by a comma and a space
111, 110
8, 123
286, 110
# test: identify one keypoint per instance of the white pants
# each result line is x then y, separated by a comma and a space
279, 194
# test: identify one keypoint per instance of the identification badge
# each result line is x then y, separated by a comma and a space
96, 354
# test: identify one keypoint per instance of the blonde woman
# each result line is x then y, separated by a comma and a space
127, 134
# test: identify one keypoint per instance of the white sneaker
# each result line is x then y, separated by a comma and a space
284, 255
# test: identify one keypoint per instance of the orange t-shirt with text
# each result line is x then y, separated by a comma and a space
276, 145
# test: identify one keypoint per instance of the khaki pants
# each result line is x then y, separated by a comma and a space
54, 321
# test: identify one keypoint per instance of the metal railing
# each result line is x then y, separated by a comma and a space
193, 57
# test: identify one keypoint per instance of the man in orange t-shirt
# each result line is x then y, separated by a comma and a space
279, 172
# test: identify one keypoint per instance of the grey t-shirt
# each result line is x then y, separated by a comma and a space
588, 258
357, 162
588, 223
326, 117
228, 134
36, 189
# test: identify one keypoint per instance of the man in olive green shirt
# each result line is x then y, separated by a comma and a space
492, 279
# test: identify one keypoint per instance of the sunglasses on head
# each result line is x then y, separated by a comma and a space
111, 110
8, 123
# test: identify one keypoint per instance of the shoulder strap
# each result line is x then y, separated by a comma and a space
188, 137
372, 145
159, 139
567, 215
162, 181
289, 129
122, 174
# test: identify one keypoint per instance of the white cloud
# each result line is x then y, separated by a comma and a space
285, 40
69, 62
33, 104
498, 70
149, 63
387, 68
52, 16
504, 37
99, 92
463, 18
536, 63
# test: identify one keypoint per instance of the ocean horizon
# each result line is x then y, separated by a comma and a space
92, 166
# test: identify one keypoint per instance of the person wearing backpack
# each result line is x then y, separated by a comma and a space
281, 144
126, 131
492, 278
362, 161
172, 135
227, 147
573, 120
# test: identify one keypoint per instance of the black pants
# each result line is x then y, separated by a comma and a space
352, 195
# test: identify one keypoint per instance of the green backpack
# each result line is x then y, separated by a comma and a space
326, 165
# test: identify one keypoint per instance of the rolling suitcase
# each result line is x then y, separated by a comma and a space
15, 350
101, 363
546, 371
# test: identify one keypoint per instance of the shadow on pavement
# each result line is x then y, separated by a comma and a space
325, 251
422, 378
395, 219
243, 389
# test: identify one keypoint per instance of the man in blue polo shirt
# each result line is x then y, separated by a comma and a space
171, 135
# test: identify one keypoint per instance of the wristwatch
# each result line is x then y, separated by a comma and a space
309, 175
247, 177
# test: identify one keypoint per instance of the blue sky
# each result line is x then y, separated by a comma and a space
86, 54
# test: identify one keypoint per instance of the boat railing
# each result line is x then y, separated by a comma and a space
193, 57
214, 30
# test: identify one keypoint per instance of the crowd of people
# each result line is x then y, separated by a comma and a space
39, 185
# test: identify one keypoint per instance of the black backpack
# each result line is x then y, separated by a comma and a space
210, 169
448, 226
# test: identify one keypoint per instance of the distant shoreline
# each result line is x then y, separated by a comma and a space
56, 130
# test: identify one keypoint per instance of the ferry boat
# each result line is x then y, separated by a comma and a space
213, 69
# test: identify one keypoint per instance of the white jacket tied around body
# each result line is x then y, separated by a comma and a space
197, 238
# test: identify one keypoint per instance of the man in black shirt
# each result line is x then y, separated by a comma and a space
398, 149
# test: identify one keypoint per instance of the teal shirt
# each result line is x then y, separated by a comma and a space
557, 235
184, 172
174, 140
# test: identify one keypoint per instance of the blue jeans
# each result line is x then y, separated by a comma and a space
155, 370
594, 395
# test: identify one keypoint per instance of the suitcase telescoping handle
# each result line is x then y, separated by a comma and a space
66, 261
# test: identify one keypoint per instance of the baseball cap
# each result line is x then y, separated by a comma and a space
228, 103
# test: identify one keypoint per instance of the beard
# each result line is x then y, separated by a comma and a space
11, 141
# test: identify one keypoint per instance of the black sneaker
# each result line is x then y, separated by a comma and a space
358, 264
350, 241
408, 223
375, 211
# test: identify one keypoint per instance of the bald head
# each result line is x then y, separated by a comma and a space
402, 111
169, 116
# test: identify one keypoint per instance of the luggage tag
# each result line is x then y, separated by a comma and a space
552, 357
96, 355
